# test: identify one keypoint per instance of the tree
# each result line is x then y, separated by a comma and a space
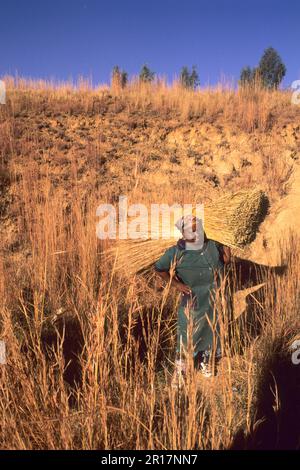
247, 75
184, 77
119, 77
194, 78
189, 79
271, 68
146, 75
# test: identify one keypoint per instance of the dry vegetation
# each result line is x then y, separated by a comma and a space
89, 352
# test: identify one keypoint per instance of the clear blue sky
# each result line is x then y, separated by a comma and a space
68, 38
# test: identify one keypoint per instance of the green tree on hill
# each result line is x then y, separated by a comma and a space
146, 75
269, 73
119, 77
189, 79
247, 75
271, 68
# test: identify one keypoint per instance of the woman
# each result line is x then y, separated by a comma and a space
199, 266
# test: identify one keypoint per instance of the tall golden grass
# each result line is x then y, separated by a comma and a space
248, 107
58, 304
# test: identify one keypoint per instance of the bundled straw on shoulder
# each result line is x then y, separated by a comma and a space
232, 220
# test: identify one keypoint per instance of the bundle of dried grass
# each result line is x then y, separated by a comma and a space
232, 220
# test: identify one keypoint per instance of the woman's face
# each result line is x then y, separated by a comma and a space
192, 233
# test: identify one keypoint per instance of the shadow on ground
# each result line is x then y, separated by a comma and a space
276, 422
276, 418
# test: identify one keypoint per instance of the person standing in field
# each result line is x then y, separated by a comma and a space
195, 267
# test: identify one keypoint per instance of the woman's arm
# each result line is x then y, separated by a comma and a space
180, 286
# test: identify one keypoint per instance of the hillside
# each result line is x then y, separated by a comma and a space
63, 151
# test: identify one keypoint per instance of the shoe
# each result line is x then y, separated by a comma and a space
205, 369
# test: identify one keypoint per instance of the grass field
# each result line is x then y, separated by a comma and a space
89, 352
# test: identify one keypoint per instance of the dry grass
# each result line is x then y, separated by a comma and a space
88, 356
248, 108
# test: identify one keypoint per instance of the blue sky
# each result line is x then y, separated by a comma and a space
68, 38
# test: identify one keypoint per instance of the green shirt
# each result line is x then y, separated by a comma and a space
201, 270
194, 268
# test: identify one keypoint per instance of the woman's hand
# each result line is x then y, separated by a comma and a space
180, 286
183, 288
